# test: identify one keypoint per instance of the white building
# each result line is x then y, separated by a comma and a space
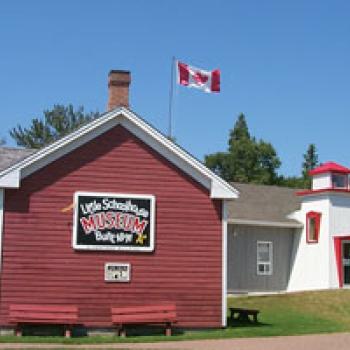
287, 240
322, 250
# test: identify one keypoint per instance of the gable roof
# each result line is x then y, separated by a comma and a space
10, 156
11, 177
264, 205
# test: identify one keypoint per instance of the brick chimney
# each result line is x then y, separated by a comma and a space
118, 88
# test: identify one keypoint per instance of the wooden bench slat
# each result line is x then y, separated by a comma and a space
237, 309
43, 321
51, 308
143, 309
42, 315
146, 318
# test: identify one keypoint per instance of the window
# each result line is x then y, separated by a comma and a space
313, 221
264, 258
339, 181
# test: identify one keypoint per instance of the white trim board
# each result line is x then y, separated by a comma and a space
224, 264
265, 223
2, 203
220, 189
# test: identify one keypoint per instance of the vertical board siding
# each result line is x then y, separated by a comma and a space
242, 247
40, 265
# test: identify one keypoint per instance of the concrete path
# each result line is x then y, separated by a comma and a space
338, 341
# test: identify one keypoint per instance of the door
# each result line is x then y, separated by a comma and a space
346, 262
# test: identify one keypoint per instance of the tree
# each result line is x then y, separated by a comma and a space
246, 160
239, 132
268, 163
309, 163
291, 181
217, 163
56, 123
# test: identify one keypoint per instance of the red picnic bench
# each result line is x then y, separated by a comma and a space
148, 314
65, 315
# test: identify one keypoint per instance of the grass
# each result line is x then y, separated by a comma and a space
298, 313
284, 314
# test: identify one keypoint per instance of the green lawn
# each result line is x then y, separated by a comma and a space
298, 313
285, 314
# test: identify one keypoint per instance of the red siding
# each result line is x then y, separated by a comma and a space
40, 266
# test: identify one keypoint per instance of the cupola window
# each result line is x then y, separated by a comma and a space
340, 181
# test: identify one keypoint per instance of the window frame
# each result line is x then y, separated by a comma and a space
317, 217
270, 262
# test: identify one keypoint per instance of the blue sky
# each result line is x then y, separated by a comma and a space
285, 64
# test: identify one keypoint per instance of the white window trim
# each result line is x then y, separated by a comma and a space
270, 263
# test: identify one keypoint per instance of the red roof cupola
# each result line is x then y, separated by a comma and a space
328, 177
329, 167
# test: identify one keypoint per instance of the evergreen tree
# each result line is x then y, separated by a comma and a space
309, 163
56, 123
246, 160
239, 132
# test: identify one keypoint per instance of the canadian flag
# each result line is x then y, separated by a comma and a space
208, 81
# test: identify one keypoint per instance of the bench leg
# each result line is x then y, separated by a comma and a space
168, 330
67, 332
232, 318
122, 332
255, 316
18, 331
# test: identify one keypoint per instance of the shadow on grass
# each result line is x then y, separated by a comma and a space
81, 332
246, 324
133, 331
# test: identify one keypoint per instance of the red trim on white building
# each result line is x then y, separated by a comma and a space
317, 216
338, 240
323, 190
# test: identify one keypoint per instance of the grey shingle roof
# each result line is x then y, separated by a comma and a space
263, 203
10, 156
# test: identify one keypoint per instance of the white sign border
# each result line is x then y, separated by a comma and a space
119, 264
114, 248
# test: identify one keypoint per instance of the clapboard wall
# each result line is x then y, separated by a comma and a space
40, 266
242, 258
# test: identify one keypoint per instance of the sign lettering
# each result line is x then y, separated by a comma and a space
114, 221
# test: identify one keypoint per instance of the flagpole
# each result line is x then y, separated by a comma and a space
171, 97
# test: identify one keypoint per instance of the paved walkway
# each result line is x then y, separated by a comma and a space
339, 341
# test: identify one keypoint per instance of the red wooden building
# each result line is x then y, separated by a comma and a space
114, 214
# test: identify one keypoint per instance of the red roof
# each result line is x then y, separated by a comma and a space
329, 167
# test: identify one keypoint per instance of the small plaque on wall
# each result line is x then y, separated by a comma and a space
117, 272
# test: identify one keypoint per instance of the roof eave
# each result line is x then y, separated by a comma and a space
282, 224
219, 190
11, 179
